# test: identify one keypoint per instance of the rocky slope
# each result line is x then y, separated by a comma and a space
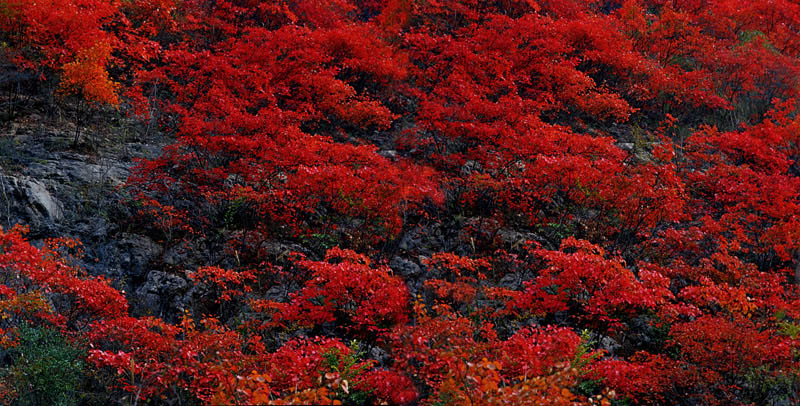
59, 189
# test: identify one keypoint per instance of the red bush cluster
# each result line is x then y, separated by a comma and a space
618, 183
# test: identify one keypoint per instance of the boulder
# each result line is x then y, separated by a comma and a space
28, 201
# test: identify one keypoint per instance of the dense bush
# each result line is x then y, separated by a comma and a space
43, 368
431, 202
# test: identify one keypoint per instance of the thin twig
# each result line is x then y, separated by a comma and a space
5, 197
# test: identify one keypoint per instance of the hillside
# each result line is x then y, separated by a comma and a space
405, 202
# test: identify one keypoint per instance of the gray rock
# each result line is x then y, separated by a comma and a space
136, 252
163, 294
410, 241
404, 267
415, 286
30, 196
378, 354
515, 239
609, 344
644, 156
43, 200
177, 256
470, 167
627, 146
277, 293
108, 172
21, 136
512, 281
388, 153
279, 250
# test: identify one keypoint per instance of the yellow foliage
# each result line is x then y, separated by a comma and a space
87, 75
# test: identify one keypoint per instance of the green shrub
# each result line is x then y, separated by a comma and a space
44, 369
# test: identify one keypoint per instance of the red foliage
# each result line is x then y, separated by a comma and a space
347, 290
532, 352
390, 386
81, 41
27, 268
530, 169
603, 289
